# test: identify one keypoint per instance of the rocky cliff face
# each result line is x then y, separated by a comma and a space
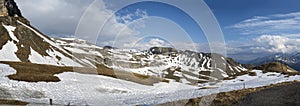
3, 9
162, 50
9, 8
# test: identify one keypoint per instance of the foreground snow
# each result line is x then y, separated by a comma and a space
82, 89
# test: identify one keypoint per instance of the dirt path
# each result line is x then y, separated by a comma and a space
285, 95
281, 94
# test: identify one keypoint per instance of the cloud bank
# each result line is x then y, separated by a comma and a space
54, 17
272, 24
277, 33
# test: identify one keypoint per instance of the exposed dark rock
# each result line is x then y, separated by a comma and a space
276, 67
12, 8
108, 47
108, 61
248, 66
4, 37
162, 50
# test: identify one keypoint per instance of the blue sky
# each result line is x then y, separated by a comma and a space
251, 28
230, 12
277, 24
170, 12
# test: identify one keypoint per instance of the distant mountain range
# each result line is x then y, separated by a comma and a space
290, 59
183, 66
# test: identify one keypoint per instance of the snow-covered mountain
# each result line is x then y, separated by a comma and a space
182, 66
290, 59
20, 42
184, 74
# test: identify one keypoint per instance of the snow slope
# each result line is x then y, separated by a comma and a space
184, 65
87, 53
7, 53
30, 48
52, 58
83, 89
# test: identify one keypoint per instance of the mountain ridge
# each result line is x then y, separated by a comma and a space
290, 59
21, 42
184, 66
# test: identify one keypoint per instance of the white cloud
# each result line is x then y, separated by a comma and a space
263, 45
278, 43
144, 45
61, 17
54, 17
272, 24
101, 25
130, 17
158, 42
278, 33
295, 14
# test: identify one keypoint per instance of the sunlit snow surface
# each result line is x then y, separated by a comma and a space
8, 50
84, 89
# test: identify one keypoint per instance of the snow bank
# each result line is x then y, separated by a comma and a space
8, 52
83, 89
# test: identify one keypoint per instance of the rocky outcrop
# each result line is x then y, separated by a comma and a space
290, 59
276, 67
3, 9
9, 8
162, 50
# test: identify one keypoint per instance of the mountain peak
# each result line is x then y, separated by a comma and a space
9, 8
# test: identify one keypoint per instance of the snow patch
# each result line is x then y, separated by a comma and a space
10, 30
52, 59
85, 89
8, 52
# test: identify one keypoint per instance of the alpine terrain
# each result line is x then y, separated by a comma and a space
290, 59
38, 70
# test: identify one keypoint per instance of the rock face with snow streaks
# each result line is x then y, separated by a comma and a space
182, 66
20, 42
9, 8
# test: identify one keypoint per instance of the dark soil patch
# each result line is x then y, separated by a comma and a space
34, 72
12, 102
30, 72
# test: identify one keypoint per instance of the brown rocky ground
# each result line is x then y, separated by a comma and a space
12, 102
277, 67
285, 95
37, 72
